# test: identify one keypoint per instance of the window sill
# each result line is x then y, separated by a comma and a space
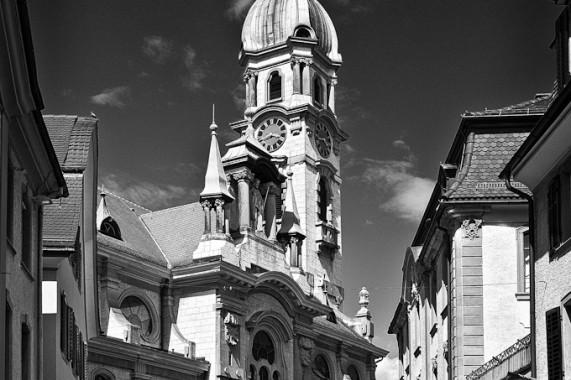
522, 296
27, 271
277, 100
562, 249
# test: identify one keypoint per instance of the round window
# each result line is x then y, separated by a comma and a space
138, 314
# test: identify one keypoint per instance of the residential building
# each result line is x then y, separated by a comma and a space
30, 177
69, 245
247, 282
466, 290
543, 164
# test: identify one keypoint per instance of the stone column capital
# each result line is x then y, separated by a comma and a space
243, 176
249, 74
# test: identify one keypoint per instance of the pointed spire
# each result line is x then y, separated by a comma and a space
215, 181
290, 217
102, 210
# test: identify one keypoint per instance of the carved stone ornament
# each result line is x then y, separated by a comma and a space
306, 348
414, 293
472, 228
231, 329
242, 175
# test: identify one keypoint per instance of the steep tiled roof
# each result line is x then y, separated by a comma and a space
535, 106
59, 128
136, 240
177, 230
61, 219
71, 137
492, 151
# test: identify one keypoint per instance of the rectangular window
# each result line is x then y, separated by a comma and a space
10, 205
26, 230
25, 352
554, 348
523, 260
559, 210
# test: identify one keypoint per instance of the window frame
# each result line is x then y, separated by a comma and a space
271, 76
559, 211
275, 366
523, 291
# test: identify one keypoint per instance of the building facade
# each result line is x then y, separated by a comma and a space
69, 298
466, 288
543, 164
30, 177
247, 282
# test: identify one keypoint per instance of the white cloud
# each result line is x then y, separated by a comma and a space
238, 8
196, 73
388, 369
157, 48
147, 194
114, 97
404, 193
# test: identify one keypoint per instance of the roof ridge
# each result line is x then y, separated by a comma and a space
169, 264
124, 200
515, 107
171, 208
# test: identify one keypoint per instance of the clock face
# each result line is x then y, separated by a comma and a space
272, 134
322, 139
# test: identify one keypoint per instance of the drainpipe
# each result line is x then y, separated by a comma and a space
530, 208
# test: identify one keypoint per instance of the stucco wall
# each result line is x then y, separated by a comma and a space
506, 318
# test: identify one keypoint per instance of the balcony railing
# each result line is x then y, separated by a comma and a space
516, 358
327, 238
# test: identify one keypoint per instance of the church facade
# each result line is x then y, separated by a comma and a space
246, 283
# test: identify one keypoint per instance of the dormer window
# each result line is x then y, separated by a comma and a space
303, 32
110, 228
275, 86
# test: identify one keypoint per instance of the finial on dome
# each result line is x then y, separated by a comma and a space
364, 298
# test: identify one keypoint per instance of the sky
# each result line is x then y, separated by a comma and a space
151, 70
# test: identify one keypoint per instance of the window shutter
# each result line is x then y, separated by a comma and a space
63, 324
70, 331
554, 348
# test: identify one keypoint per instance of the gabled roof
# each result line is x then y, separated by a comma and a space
177, 230
136, 239
61, 219
71, 138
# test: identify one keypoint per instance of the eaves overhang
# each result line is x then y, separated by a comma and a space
547, 144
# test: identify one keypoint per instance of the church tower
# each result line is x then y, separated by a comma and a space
290, 56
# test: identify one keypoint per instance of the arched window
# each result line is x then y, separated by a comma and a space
266, 365
321, 367
322, 200
110, 228
317, 90
275, 86
353, 373
138, 314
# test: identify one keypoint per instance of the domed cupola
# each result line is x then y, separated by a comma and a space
271, 23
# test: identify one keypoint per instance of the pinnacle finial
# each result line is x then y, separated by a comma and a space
213, 126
